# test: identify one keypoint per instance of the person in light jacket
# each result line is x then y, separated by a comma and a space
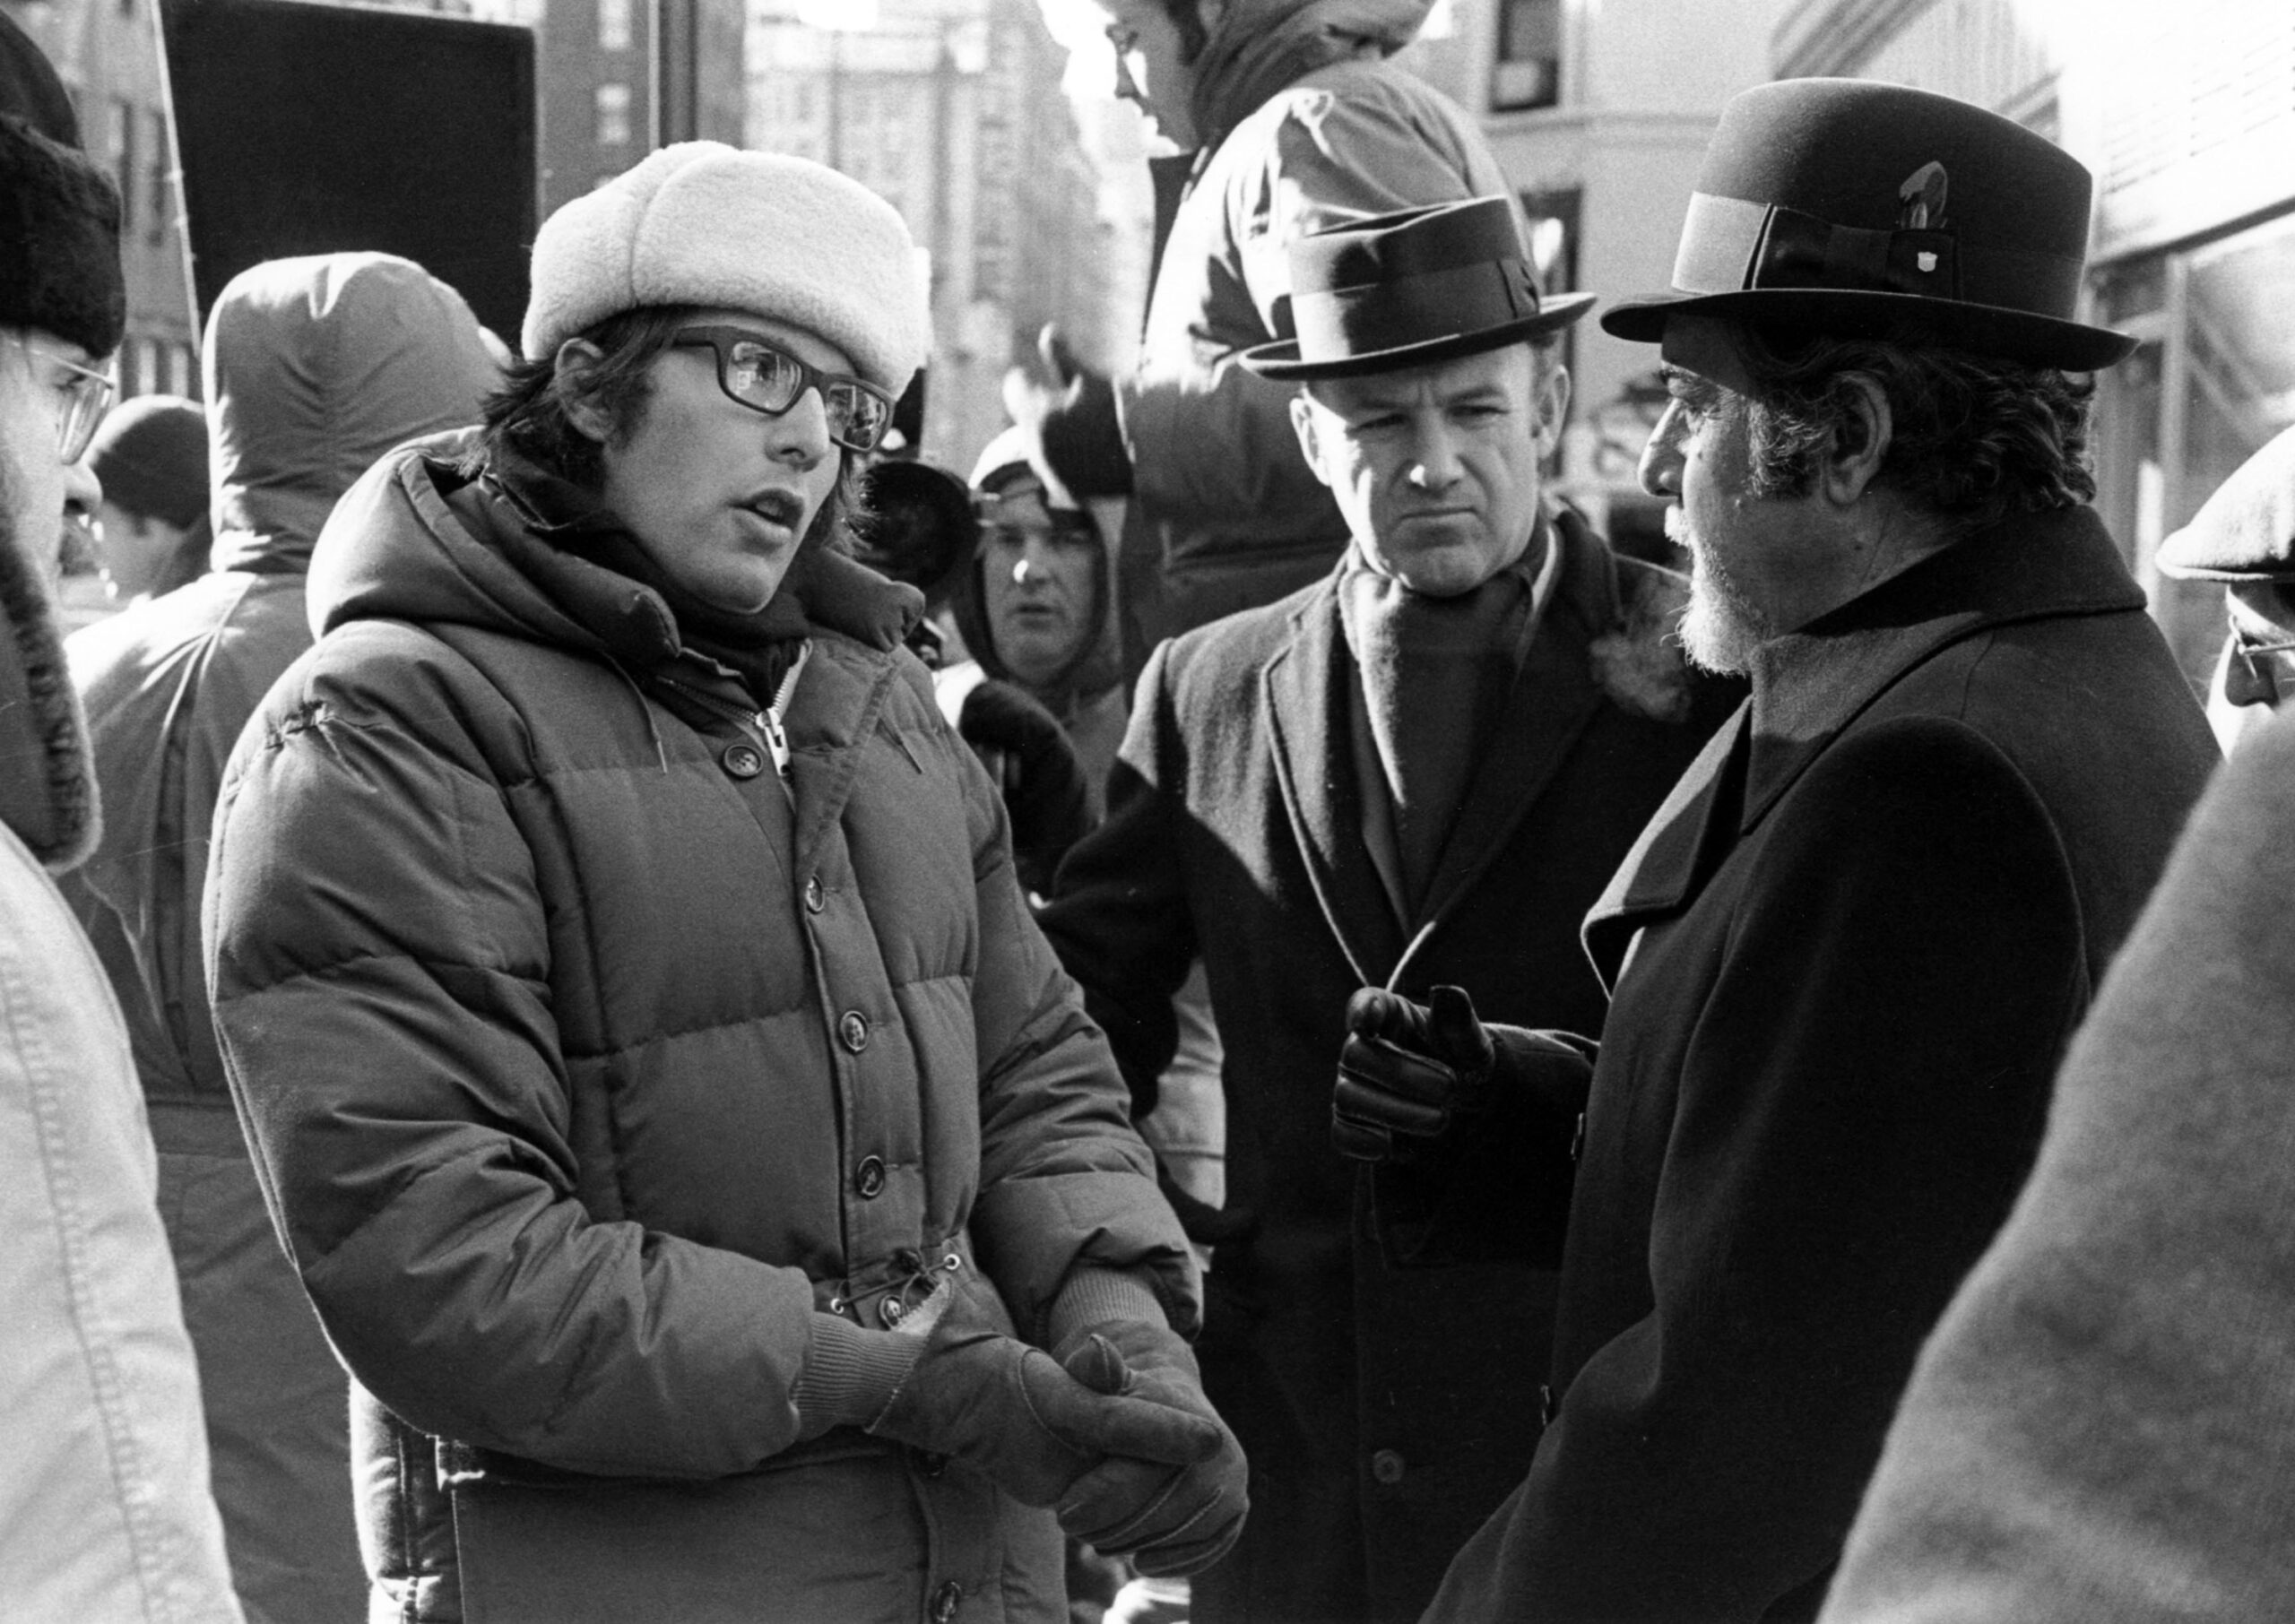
104, 1512
684, 1135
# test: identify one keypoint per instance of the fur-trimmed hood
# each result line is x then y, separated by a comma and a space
48, 792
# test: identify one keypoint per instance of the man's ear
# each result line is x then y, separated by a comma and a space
1551, 399
1860, 444
1306, 423
570, 379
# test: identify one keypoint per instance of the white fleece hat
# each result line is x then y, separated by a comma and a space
703, 223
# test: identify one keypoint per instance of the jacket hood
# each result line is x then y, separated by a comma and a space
1259, 46
314, 368
422, 537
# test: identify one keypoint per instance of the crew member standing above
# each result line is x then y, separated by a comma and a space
1419, 770
1849, 950
1293, 119
681, 1130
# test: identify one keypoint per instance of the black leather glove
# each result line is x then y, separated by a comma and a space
980, 1395
1076, 423
1027, 752
1170, 1520
1407, 1072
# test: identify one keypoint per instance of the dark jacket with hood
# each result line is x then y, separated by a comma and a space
1304, 124
594, 1065
315, 366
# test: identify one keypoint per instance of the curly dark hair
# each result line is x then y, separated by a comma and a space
1973, 440
528, 414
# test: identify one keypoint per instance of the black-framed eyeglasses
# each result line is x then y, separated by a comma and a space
84, 399
2258, 672
764, 376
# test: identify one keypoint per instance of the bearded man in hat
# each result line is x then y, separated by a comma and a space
1847, 955
1417, 770
1287, 116
104, 1506
721, 1201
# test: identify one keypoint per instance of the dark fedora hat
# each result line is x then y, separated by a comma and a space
1858, 210
1408, 289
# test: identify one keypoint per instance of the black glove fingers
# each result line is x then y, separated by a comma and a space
1359, 1143
1457, 1036
1385, 1069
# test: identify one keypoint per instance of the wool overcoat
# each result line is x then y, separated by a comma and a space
589, 1065
1364, 1394
1847, 955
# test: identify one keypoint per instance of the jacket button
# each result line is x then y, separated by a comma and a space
869, 1178
852, 1030
815, 899
929, 1463
946, 1600
744, 760
891, 1312
1386, 1466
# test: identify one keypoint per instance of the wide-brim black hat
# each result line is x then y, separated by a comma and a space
1410, 289
1855, 210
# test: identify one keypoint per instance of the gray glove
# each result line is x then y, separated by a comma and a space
980, 1395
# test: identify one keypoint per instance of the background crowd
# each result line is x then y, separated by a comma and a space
616, 1003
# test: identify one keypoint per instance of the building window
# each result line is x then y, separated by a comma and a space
155, 169
121, 114
613, 25
1527, 71
613, 114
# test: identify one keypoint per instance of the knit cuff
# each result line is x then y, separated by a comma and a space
1091, 1297
850, 1374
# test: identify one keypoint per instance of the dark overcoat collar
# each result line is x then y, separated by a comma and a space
1812, 683
1309, 682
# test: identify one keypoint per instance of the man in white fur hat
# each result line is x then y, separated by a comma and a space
712, 1183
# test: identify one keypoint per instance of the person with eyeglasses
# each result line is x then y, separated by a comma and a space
2244, 536
105, 1507
715, 1190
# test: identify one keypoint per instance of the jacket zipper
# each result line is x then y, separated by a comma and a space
767, 722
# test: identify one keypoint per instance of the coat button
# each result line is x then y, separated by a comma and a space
815, 898
946, 1600
869, 1178
892, 1311
1386, 1466
852, 1030
744, 760
929, 1463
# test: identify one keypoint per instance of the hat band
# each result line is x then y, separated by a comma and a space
1731, 245
1338, 324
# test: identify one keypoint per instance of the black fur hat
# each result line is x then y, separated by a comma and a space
59, 214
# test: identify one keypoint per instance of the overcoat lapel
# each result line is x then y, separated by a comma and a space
1553, 699
1305, 685
1678, 850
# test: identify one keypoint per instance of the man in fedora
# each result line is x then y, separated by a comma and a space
1846, 954
1414, 771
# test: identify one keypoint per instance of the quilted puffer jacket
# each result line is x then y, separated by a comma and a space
589, 1063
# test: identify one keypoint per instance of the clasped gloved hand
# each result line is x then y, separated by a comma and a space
981, 1396
1075, 418
1170, 1519
1407, 1072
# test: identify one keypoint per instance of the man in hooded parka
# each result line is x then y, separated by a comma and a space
313, 367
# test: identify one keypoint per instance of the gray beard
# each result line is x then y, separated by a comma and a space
1721, 632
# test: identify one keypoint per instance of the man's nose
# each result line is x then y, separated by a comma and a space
1032, 565
82, 488
1659, 471
1434, 461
